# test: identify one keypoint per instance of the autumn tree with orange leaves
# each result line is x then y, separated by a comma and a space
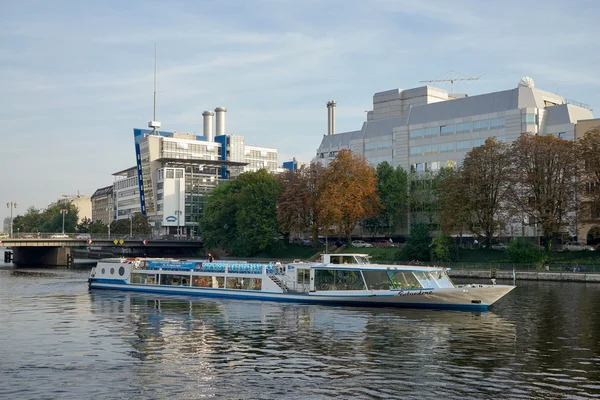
348, 193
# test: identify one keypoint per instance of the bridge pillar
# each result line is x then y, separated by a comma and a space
42, 256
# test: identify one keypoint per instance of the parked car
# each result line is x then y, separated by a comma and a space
499, 246
361, 243
83, 236
577, 246
59, 236
27, 236
4, 235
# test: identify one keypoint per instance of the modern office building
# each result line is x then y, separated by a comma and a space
424, 129
103, 208
6, 225
175, 171
126, 194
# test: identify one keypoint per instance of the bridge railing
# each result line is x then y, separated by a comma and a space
97, 236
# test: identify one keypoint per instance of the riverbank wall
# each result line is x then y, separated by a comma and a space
525, 275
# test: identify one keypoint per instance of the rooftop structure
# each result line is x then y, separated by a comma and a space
175, 171
424, 129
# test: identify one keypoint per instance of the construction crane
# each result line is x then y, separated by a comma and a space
452, 76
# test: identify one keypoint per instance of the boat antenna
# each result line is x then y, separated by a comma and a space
154, 124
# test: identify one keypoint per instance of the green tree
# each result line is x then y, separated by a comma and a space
84, 225
52, 217
392, 188
98, 227
544, 181
443, 248
417, 245
486, 171
523, 251
348, 192
138, 225
240, 215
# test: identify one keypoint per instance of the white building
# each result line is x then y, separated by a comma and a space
126, 194
424, 129
176, 170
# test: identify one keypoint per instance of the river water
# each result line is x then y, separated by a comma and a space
58, 340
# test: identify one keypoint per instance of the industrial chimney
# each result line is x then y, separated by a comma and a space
220, 117
331, 117
208, 125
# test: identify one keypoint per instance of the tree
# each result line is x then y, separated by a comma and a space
480, 189
240, 214
98, 227
417, 244
443, 248
138, 225
348, 192
454, 215
392, 188
84, 225
52, 217
588, 150
543, 181
297, 210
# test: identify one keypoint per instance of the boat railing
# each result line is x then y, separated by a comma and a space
217, 267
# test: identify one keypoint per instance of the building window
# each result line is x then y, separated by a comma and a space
480, 125
562, 135
447, 129
497, 123
170, 173
430, 131
416, 133
464, 127
528, 118
463, 145
446, 147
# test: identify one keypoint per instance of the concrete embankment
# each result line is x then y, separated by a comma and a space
526, 275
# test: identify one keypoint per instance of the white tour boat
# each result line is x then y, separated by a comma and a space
339, 279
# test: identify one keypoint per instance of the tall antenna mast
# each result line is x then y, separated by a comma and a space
452, 76
154, 114
154, 124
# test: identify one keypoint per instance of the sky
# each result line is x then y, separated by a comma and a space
77, 76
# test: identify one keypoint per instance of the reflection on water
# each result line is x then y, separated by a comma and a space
63, 341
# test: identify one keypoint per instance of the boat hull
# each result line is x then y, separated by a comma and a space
464, 298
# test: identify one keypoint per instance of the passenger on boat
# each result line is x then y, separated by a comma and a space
279, 267
210, 258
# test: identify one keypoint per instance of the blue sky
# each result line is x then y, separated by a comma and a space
77, 76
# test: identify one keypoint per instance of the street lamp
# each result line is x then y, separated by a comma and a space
11, 205
64, 212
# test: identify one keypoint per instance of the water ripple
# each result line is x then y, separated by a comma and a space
59, 340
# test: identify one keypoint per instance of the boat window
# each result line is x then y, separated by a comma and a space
377, 280
342, 260
442, 279
426, 279
404, 280
208, 281
174, 280
244, 283
146, 279
362, 260
338, 280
